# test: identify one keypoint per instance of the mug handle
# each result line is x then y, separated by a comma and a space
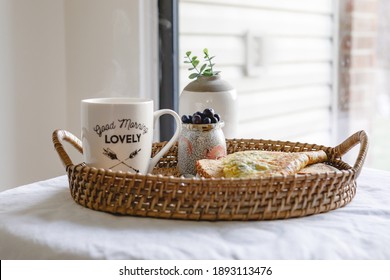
158, 156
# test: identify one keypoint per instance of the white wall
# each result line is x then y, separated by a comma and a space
32, 88
54, 53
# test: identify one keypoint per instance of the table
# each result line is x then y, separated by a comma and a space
41, 221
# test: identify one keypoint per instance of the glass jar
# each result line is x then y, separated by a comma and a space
200, 141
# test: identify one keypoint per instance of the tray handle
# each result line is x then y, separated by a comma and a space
359, 137
59, 136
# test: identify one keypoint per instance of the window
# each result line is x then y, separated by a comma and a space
278, 54
317, 70
364, 94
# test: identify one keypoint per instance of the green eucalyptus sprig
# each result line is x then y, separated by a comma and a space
205, 70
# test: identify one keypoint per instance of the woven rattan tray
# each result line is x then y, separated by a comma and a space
165, 195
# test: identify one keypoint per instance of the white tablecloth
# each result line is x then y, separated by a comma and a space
41, 221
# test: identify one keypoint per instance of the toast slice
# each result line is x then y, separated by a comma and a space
318, 168
255, 163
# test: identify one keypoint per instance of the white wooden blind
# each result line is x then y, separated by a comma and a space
291, 98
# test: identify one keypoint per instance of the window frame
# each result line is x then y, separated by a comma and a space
168, 64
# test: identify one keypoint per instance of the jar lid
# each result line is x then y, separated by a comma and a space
209, 84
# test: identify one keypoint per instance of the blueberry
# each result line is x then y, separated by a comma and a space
213, 119
196, 119
217, 116
198, 113
209, 112
185, 119
206, 120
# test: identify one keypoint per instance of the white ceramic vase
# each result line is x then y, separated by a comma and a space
212, 92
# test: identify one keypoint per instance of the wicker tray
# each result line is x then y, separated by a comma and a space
165, 195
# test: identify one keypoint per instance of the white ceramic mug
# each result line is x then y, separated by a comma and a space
117, 133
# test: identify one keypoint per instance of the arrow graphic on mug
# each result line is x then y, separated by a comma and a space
112, 155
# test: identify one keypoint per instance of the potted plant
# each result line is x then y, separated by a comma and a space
209, 90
